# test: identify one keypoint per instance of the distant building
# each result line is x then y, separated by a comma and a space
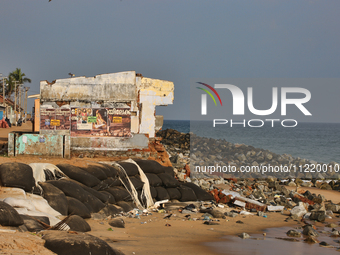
113, 112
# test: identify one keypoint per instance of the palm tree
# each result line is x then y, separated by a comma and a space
17, 76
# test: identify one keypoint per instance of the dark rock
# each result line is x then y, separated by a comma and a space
174, 193
72, 189
17, 175
111, 210
168, 181
136, 182
109, 170
111, 199
211, 223
119, 193
9, 216
55, 197
96, 171
169, 170
117, 223
162, 194
32, 224
77, 208
293, 233
309, 231
101, 196
78, 174
130, 169
200, 193
100, 186
187, 194
319, 216
62, 242
154, 180
153, 192
150, 166
127, 206
112, 182
77, 223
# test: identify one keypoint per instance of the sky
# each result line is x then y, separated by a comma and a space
170, 40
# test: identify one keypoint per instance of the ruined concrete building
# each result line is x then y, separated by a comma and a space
108, 112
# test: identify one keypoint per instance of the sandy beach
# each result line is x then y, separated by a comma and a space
153, 234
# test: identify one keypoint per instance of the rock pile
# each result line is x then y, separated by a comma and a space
212, 152
255, 193
97, 191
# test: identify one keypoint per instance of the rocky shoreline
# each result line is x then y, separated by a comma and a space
261, 195
208, 151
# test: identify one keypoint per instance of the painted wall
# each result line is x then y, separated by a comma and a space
137, 94
37, 144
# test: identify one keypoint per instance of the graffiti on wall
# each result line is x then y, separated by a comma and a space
114, 122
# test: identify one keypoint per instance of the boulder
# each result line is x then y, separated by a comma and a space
200, 193
150, 166
55, 197
9, 216
17, 175
61, 242
32, 224
127, 206
136, 182
78, 174
187, 194
111, 199
109, 170
162, 194
153, 192
174, 193
74, 190
111, 210
154, 180
96, 171
117, 223
119, 193
77, 208
130, 168
168, 181
111, 182
77, 223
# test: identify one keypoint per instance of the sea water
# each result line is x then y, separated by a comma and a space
313, 141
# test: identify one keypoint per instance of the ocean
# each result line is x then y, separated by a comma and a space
314, 141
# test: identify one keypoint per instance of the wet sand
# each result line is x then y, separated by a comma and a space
149, 235
269, 245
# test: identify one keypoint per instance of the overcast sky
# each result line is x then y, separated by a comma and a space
170, 40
